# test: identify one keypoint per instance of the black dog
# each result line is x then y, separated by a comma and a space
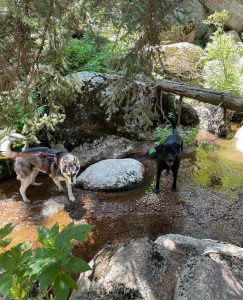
168, 157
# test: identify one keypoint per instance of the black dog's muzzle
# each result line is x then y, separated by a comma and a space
170, 163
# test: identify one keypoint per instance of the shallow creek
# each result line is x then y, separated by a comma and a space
208, 204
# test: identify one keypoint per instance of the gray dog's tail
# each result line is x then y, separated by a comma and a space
6, 143
173, 123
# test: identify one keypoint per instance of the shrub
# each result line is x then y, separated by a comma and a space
222, 71
162, 133
50, 265
90, 54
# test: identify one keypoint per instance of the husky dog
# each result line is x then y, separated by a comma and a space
59, 165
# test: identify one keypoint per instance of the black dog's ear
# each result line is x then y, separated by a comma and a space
159, 148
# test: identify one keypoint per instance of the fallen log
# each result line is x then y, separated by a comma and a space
226, 100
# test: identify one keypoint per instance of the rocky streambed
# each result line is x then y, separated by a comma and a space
208, 204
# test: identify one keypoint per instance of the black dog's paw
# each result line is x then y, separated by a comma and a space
156, 191
173, 189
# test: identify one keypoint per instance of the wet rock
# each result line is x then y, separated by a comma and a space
54, 205
173, 267
112, 174
108, 147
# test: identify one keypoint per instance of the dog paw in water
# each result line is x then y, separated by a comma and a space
173, 189
156, 191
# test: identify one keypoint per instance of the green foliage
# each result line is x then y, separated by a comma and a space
32, 90
92, 53
134, 100
150, 189
222, 70
188, 136
161, 134
139, 21
218, 19
51, 265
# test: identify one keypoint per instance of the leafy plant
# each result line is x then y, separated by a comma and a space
162, 133
92, 53
150, 189
31, 90
50, 265
222, 70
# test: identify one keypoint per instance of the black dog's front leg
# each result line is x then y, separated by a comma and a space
175, 173
159, 170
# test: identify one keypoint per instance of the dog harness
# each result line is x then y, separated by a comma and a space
50, 160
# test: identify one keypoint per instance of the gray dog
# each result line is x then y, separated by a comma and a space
59, 165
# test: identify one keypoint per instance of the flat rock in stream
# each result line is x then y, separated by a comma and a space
112, 174
173, 267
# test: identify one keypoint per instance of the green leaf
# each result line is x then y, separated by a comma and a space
70, 232
47, 236
4, 243
26, 256
7, 229
61, 289
69, 281
9, 262
152, 151
65, 251
48, 276
6, 280
76, 265
24, 246
41, 260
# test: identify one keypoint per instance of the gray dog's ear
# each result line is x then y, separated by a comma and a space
159, 148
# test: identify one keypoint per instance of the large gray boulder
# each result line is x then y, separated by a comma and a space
185, 23
131, 270
86, 116
210, 277
110, 146
112, 174
181, 61
173, 267
234, 7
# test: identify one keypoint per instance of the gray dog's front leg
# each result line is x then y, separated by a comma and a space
70, 192
58, 184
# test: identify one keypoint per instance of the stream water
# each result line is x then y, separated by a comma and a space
208, 204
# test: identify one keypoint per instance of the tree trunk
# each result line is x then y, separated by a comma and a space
227, 100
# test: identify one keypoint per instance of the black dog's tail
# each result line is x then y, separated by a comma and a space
173, 123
